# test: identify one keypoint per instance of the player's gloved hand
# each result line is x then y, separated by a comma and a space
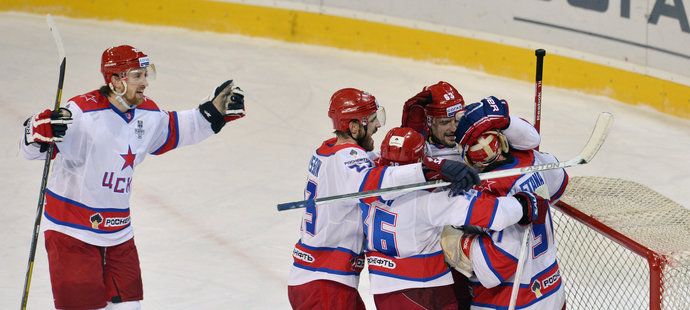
534, 208
47, 127
235, 105
461, 176
414, 113
225, 104
490, 113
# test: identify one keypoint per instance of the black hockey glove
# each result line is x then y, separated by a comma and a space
230, 99
461, 176
534, 208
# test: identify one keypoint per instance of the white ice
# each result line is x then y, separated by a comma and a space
206, 226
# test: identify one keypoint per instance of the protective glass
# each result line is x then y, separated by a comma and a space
378, 117
139, 75
381, 115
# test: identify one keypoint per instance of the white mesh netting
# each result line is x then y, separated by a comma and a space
598, 272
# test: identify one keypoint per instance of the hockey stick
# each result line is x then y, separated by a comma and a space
520, 267
46, 165
596, 139
540, 53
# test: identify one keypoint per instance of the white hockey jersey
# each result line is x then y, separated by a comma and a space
494, 255
520, 134
331, 237
88, 191
403, 235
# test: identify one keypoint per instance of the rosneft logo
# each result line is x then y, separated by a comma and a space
96, 219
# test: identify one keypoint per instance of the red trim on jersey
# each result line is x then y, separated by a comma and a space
372, 181
540, 287
421, 268
329, 260
329, 147
561, 190
148, 105
70, 213
482, 210
94, 101
91, 101
173, 135
501, 263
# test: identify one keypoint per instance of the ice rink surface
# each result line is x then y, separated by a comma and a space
204, 216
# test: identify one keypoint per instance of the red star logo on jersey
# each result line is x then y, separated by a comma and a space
89, 97
486, 185
129, 158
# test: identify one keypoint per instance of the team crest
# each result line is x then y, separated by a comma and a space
139, 131
96, 219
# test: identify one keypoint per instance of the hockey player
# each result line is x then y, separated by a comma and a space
433, 112
493, 255
100, 137
328, 256
404, 257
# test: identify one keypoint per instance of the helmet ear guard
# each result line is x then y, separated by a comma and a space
486, 150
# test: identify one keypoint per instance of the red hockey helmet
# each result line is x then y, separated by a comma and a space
402, 146
118, 59
350, 104
486, 149
446, 101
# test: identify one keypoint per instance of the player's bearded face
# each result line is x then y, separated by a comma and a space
443, 130
136, 84
365, 139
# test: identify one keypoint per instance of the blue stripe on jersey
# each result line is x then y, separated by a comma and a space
95, 110
173, 135
469, 208
493, 213
495, 306
512, 186
506, 254
82, 227
81, 205
424, 255
561, 189
488, 262
390, 275
328, 249
127, 116
522, 284
326, 270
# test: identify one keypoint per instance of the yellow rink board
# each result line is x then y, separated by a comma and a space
346, 33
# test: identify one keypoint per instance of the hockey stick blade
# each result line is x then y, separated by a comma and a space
596, 140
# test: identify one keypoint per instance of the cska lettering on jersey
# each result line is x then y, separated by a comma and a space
118, 185
100, 216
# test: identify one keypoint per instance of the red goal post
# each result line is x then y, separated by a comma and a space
622, 246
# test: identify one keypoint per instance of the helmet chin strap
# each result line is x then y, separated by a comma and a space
118, 96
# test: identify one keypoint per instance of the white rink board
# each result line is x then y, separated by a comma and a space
648, 37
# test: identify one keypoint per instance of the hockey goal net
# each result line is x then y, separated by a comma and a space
622, 246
